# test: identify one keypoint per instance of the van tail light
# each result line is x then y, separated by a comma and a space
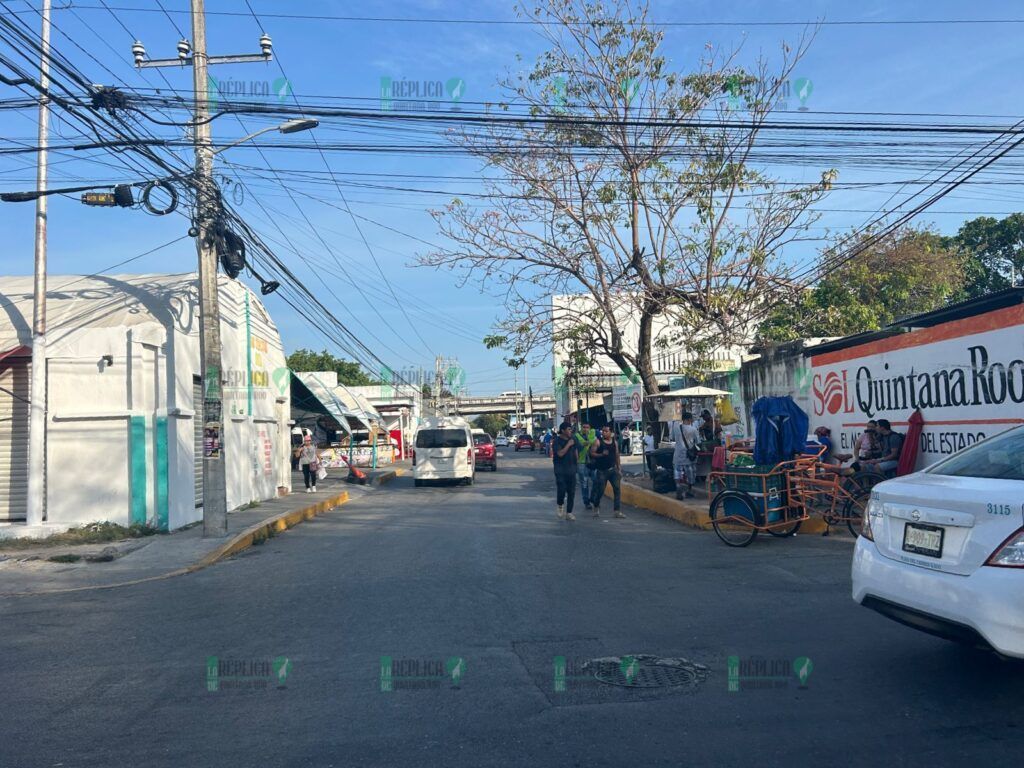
414, 458
1009, 554
469, 455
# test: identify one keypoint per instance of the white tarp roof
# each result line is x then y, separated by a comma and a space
328, 395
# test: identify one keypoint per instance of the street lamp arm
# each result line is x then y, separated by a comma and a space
244, 139
291, 126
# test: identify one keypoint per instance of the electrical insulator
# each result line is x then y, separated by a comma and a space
184, 49
265, 45
139, 53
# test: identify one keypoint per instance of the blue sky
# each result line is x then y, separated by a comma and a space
949, 68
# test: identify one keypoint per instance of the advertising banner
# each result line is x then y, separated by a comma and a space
966, 376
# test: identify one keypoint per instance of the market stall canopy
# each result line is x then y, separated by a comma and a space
311, 396
358, 405
692, 392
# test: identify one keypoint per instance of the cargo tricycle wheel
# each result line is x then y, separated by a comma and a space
734, 517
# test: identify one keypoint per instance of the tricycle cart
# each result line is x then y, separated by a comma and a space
776, 499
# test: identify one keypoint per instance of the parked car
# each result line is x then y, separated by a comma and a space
501, 441
486, 451
525, 442
942, 550
444, 451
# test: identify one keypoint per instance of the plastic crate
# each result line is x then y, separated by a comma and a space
748, 478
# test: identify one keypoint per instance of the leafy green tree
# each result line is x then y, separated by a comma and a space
906, 273
349, 373
993, 252
491, 423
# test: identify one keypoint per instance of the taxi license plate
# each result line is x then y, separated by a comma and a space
923, 539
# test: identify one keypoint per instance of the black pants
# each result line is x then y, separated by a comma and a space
601, 480
566, 490
309, 475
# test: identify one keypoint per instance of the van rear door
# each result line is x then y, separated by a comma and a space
441, 449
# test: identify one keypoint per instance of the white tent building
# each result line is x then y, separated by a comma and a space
124, 421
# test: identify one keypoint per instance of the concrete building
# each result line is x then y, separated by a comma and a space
670, 354
124, 422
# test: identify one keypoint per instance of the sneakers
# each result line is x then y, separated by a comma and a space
314, 489
561, 512
596, 511
309, 490
570, 517
620, 515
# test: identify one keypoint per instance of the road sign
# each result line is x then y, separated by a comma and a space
628, 402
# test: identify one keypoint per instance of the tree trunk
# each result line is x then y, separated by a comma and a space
645, 367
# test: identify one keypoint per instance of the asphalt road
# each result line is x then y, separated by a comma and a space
488, 575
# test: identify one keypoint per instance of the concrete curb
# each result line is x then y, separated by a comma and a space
688, 513
387, 477
254, 534
257, 534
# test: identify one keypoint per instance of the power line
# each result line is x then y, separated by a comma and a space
530, 22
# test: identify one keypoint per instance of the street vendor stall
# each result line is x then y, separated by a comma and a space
672, 404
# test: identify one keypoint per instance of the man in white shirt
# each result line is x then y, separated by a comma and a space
684, 459
649, 450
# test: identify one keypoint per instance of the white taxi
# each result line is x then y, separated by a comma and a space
942, 550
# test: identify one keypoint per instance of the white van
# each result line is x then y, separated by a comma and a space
444, 451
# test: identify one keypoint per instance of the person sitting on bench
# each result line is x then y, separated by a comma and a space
891, 447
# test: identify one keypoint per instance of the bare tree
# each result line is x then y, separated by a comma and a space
632, 186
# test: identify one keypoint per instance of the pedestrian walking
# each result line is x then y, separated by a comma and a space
684, 458
585, 438
309, 463
564, 459
608, 469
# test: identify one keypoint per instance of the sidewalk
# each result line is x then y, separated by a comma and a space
637, 491
30, 572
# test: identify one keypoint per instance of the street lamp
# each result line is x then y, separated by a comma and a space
292, 126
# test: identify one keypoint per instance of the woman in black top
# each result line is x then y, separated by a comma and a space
605, 455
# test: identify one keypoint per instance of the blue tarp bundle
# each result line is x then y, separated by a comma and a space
780, 429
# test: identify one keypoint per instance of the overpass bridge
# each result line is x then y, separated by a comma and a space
505, 404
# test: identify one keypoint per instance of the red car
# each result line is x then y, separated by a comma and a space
486, 452
524, 442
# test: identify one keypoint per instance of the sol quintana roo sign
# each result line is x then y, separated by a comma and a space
966, 376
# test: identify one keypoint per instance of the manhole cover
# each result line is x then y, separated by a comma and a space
646, 671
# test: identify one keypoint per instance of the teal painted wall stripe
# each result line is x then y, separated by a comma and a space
248, 348
162, 510
137, 448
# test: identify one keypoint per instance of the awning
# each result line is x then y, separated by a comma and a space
358, 406
311, 398
692, 392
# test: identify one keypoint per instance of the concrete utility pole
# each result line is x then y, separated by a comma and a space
215, 510
215, 520
36, 497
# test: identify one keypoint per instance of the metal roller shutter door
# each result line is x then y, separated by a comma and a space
197, 436
14, 417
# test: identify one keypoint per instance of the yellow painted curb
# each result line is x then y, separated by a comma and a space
387, 477
686, 512
264, 530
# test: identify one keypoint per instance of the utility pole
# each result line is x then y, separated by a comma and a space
36, 497
215, 509
515, 393
215, 519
